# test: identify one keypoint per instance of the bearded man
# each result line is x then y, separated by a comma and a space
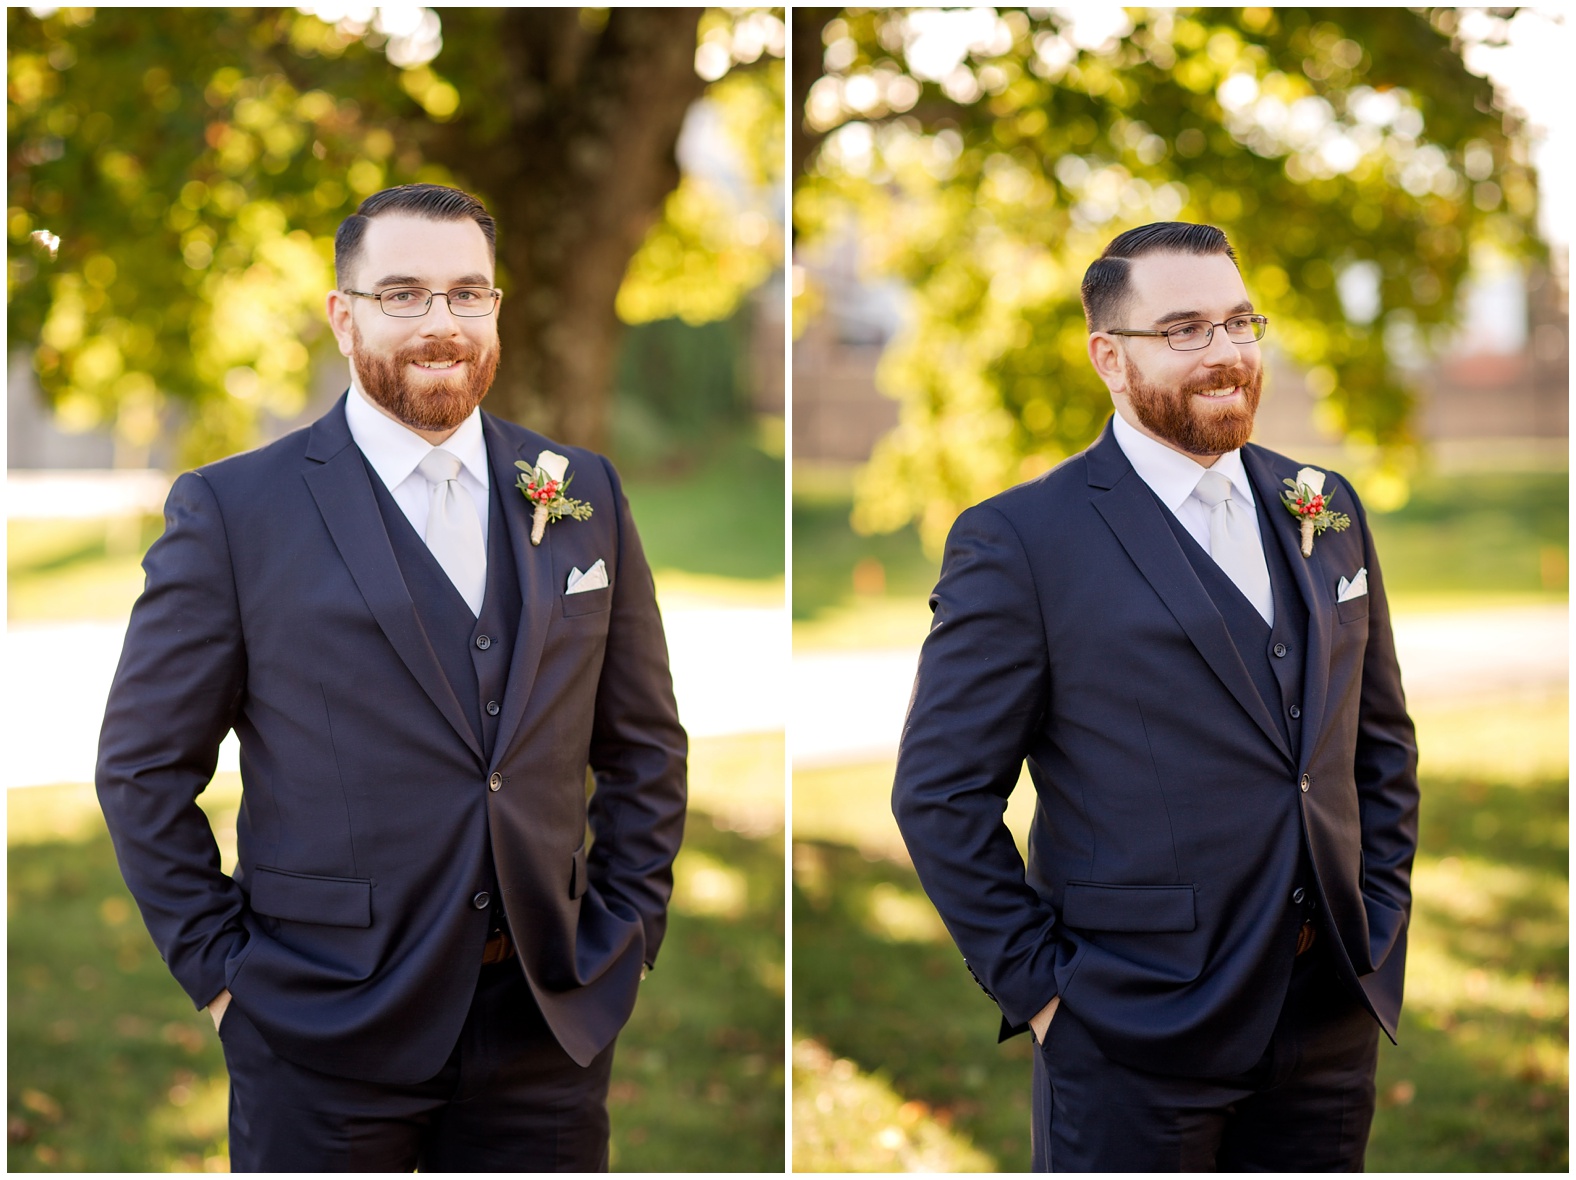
420, 959
1187, 639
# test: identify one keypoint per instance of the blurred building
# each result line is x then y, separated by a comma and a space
1497, 394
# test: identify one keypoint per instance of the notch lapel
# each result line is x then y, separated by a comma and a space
534, 566
1266, 471
338, 479
1133, 514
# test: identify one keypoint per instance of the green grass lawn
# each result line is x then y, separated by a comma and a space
713, 531
1473, 540
895, 1063
110, 1068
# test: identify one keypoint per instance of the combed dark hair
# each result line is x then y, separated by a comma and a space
1105, 283
436, 202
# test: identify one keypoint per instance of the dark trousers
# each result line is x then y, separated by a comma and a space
1306, 1106
509, 1099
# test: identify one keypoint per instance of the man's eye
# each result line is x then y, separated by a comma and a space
1184, 331
466, 295
1241, 323
398, 296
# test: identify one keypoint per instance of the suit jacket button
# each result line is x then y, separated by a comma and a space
1295, 712
1306, 782
1297, 895
484, 641
482, 900
1280, 649
497, 781
492, 708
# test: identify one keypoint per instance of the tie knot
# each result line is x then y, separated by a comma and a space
1213, 488
439, 466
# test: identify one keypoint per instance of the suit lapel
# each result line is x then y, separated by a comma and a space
338, 480
1133, 514
534, 565
1266, 472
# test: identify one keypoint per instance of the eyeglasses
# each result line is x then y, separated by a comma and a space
1197, 334
409, 302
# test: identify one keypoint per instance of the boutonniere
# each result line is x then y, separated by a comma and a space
1308, 503
544, 486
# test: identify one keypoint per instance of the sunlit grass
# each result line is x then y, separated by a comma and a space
713, 533
1478, 1082
1474, 542
111, 1069
849, 1121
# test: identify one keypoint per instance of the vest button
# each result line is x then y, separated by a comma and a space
497, 781
1297, 895
1295, 712
484, 899
492, 708
1306, 782
1280, 650
484, 641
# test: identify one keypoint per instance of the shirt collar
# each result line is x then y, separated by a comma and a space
1171, 474
394, 450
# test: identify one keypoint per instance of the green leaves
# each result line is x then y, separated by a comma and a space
1319, 139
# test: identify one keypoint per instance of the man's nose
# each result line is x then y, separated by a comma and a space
440, 319
1220, 350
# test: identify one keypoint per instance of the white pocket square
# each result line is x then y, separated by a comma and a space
1356, 588
594, 578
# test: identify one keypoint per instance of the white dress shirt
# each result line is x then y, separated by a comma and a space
1172, 476
394, 450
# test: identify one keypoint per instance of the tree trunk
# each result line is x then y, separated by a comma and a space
572, 148
808, 66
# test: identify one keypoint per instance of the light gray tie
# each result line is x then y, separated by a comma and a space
1234, 543
454, 534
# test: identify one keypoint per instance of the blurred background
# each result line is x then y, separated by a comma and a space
1397, 183
175, 178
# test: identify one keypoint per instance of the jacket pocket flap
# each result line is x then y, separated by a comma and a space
1137, 908
296, 897
1352, 609
577, 873
587, 602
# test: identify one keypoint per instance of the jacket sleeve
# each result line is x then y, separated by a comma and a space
981, 689
638, 749
174, 697
1386, 773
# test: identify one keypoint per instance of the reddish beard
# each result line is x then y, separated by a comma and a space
437, 403
1193, 424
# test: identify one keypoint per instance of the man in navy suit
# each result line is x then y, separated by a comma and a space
422, 958
1211, 927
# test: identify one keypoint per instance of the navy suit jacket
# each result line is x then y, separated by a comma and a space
1071, 631
274, 606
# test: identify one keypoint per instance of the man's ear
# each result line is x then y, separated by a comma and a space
1106, 357
339, 321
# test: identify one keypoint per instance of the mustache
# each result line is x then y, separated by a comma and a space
1238, 374
438, 353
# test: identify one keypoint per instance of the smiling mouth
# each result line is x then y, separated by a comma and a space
1217, 394
437, 366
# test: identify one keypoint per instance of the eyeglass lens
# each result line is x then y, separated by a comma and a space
1198, 333
414, 301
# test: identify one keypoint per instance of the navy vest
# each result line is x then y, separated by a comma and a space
474, 651
1274, 656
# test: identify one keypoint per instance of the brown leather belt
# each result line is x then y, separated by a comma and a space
1305, 938
498, 949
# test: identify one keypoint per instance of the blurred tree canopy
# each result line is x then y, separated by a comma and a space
176, 177
984, 158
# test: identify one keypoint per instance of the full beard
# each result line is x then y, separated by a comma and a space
436, 404
1194, 425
